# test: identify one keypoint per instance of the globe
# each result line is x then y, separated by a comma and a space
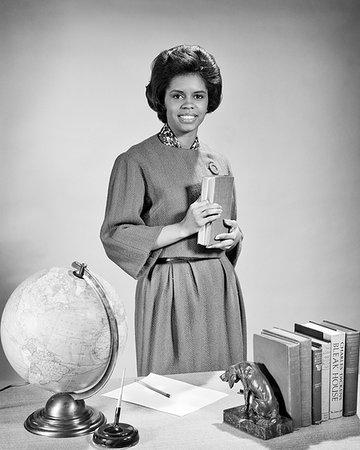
62, 329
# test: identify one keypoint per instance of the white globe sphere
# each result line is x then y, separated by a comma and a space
55, 331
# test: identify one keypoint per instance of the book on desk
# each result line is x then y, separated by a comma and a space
329, 389
282, 363
351, 369
305, 364
337, 360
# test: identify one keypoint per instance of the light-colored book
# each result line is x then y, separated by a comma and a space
217, 189
337, 361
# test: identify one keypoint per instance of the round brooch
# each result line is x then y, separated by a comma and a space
213, 169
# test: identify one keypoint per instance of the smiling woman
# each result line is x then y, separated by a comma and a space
189, 312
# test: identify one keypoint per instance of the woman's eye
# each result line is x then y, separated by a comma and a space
176, 96
198, 96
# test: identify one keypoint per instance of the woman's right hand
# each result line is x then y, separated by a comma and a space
199, 213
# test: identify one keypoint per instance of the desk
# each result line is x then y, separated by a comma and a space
203, 429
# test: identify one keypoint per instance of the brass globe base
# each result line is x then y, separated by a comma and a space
64, 417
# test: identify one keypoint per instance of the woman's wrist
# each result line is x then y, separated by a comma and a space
171, 234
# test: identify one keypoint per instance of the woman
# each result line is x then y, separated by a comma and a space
189, 312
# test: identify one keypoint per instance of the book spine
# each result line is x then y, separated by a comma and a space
316, 385
203, 234
352, 343
337, 375
295, 394
306, 381
325, 383
211, 189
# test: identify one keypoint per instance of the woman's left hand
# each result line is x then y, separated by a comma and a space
227, 241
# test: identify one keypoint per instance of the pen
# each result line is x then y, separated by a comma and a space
118, 407
153, 388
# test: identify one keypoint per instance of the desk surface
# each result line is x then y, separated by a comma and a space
203, 429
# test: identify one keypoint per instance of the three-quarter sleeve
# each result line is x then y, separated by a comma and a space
127, 239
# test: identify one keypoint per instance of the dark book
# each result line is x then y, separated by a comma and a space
337, 360
217, 189
325, 375
352, 343
305, 369
316, 352
281, 359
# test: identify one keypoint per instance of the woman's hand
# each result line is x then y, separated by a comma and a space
199, 214
227, 241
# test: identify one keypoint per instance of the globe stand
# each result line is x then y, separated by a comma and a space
65, 413
63, 416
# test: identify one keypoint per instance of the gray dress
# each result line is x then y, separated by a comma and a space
189, 316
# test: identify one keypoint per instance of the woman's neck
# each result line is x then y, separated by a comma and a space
186, 140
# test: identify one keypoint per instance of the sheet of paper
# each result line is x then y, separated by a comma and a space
184, 397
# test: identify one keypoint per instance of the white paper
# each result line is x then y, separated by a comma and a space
184, 397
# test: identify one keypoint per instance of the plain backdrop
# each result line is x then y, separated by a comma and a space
73, 75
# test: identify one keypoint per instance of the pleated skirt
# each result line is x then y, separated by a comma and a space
189, 317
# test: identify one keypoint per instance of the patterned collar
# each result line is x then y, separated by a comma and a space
167, 137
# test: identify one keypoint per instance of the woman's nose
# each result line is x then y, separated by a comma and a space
187, 103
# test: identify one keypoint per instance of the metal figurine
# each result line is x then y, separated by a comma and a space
260, 400
260, 415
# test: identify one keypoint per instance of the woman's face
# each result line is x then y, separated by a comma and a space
186, 102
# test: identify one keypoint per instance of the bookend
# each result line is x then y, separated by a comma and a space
260, 416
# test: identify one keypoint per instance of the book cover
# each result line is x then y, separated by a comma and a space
325, 375
351, 371
316, 352
281, 361
217, 189
337, 360
305, 369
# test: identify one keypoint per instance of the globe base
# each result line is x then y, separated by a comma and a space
64, 417
119, 435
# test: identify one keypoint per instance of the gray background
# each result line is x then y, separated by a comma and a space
73, 75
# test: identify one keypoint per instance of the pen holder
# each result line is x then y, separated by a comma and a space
116, 435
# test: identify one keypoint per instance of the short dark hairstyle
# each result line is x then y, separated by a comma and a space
181, 60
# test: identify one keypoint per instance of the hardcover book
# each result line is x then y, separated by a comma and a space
281, 359
325, 375
352, 342
217, 189
305, 369
337, 360
316, 352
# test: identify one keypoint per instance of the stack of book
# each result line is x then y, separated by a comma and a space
313, 369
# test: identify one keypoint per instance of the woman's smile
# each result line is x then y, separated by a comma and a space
187, 118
